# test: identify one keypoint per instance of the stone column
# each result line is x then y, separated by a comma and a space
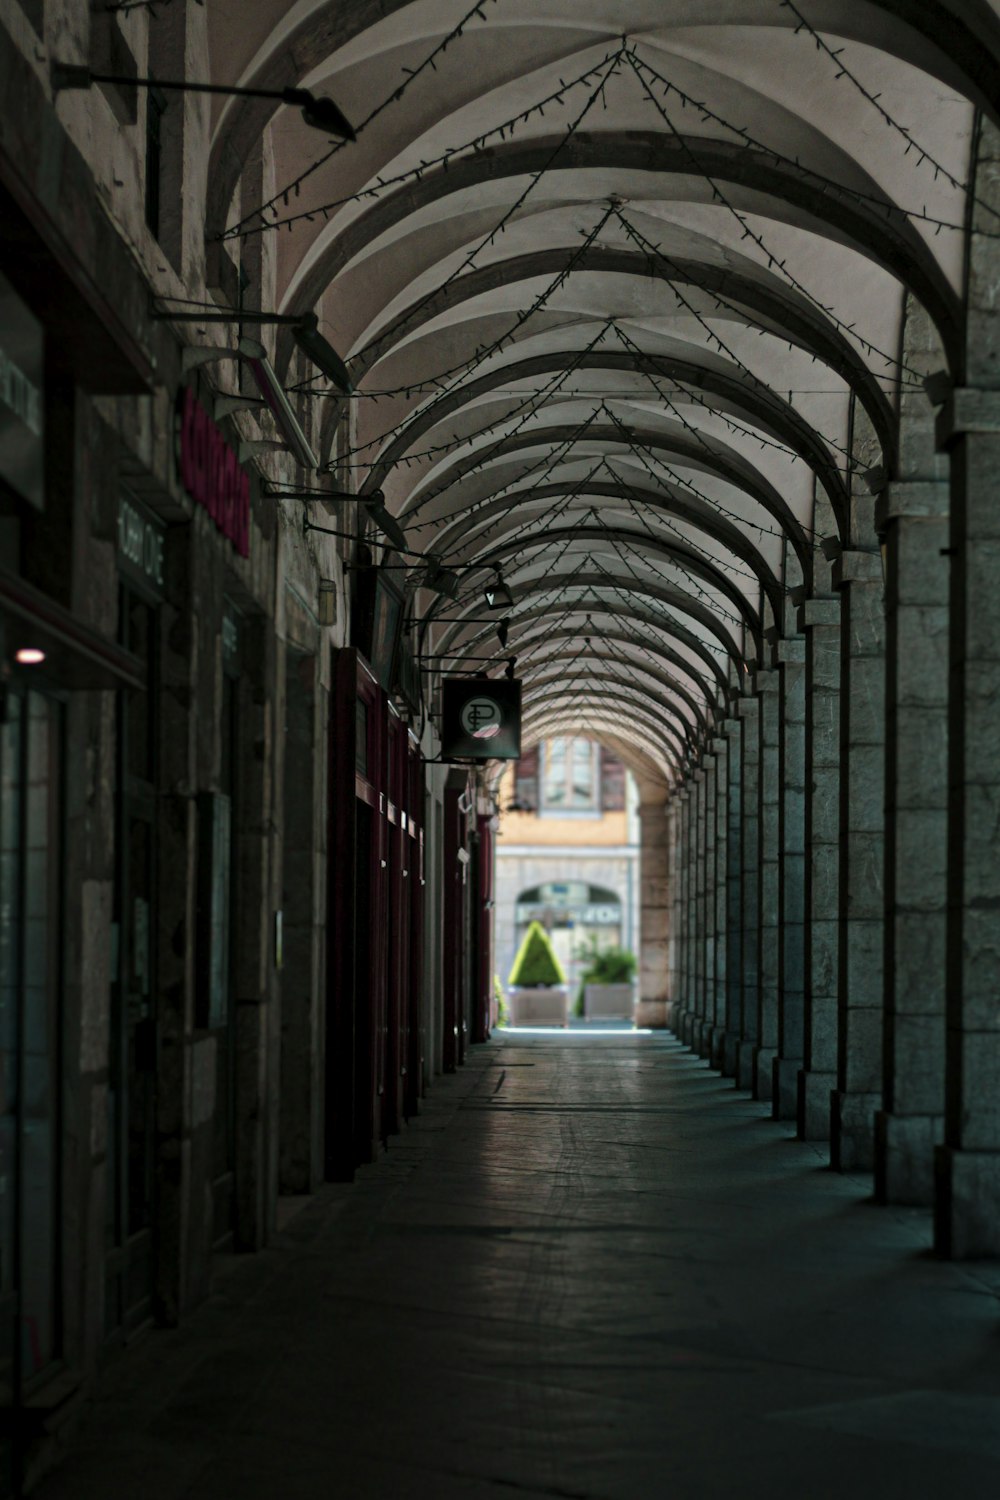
768, 684
914, 521
820, 619
682, 997
734, 899
708, 918
967, 1166
655, 895
690, 908
749, 711
698, 882
720, 750
791, 881
858, 1094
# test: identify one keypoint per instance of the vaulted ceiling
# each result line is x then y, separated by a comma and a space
621, 285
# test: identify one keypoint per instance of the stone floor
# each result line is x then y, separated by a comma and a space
589, 1270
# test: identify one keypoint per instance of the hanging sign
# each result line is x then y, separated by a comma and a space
141, 543
480, 719
212, 475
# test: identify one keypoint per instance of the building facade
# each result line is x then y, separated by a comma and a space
567, 853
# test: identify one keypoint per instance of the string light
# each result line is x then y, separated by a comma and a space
835, 54
282, 196
773, 263
469, 260
462, 154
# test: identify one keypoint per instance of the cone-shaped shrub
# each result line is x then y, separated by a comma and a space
536, 963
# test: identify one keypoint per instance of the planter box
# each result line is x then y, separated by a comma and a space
608, 1002
539, 1007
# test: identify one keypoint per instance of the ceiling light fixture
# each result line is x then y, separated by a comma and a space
29, 656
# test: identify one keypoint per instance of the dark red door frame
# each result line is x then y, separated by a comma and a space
483, 1008
396, 926
456, 939
414, 1052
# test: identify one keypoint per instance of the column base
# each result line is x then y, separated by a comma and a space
967, 1203
730, 1054
744, 1065
785, 1088
763, 1065
652, 1014
813, 1105
904, 1157
717, 1044
703, 1043
852, 1131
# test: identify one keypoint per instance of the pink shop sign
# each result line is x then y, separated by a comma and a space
211, 473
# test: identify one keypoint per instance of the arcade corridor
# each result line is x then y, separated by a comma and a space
437, 429
587, 1271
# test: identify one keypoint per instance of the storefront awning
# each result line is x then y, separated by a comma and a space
75, 656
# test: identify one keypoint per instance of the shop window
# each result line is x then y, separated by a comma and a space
111, 53
30, 740
570, 777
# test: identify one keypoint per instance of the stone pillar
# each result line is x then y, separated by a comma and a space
967, 1166
734, 899
681, 997
820, 619
913, 518
708, 918
768, 684
690, 908
720, 749
749, 710
698, 882
858, 1094
655, 894
791, 881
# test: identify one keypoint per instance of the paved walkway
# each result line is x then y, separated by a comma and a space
589, 1270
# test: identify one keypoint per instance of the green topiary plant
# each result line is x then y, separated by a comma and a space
611, 965
503, 1011
536, 965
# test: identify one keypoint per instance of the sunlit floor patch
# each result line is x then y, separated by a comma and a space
572, 1031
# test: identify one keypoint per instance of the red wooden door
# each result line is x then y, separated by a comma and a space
414, 1034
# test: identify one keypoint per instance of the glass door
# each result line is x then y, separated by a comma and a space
30, 925
133, 1049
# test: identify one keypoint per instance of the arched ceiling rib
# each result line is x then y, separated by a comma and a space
638, 351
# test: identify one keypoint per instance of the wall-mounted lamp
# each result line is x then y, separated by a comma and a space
29, 656
497, 594
321, 113
375, 509
442, 580
305, 332
272, 492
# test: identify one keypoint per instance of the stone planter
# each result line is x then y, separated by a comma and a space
608, 1002
545, 1006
